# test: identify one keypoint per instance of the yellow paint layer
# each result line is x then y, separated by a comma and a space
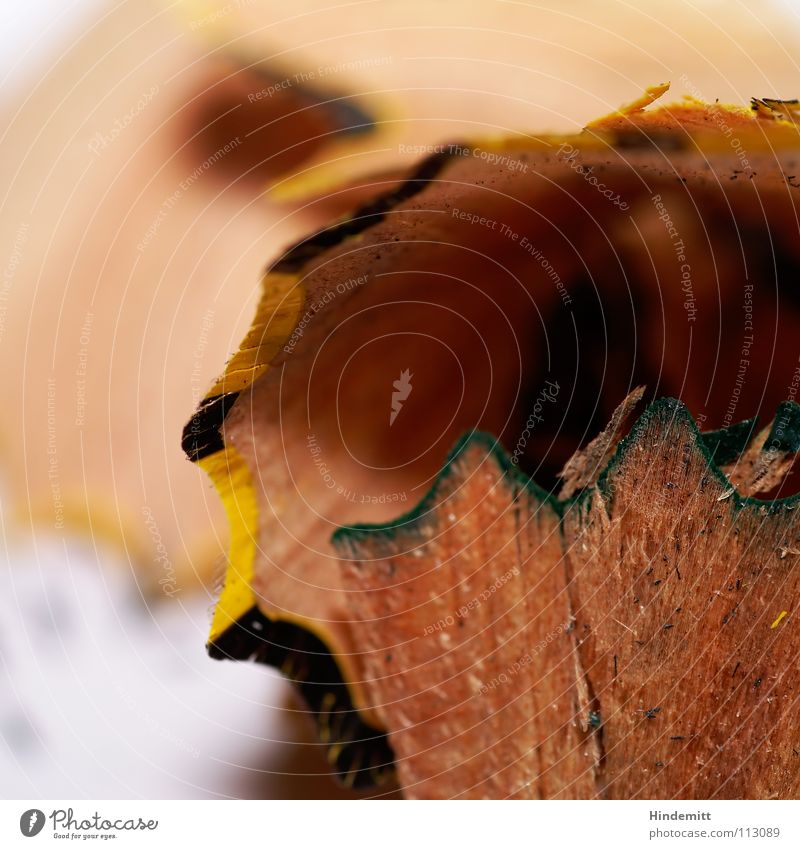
274, 321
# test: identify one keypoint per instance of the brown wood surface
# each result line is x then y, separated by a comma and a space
638, 649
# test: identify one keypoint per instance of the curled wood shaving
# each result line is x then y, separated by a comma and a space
585, 466
758, 470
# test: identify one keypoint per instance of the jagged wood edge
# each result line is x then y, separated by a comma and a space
718, 448
203, 439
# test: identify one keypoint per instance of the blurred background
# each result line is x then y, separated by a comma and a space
154, 156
